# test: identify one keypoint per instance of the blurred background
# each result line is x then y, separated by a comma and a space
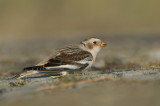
67, 17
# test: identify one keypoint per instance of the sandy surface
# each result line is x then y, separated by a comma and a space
125, 73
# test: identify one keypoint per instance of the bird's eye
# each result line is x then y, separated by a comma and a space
95, 42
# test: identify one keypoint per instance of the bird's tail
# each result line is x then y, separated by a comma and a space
27, 73
34, 68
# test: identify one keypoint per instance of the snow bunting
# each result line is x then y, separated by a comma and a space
68, 59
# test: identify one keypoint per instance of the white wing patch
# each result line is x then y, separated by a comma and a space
83, 62
64, 66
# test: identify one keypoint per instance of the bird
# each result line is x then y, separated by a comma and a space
69, 59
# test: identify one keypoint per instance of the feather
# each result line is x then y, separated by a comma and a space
68, 58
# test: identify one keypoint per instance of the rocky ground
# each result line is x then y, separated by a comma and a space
127, 72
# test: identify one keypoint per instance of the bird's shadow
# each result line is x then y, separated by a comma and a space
40, 76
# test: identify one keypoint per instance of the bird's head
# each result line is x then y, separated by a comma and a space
92, 45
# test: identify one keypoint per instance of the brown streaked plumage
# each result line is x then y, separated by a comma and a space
69, 59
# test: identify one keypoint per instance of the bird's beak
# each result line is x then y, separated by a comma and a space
103, 44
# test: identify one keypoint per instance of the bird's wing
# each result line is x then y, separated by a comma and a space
68, 58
